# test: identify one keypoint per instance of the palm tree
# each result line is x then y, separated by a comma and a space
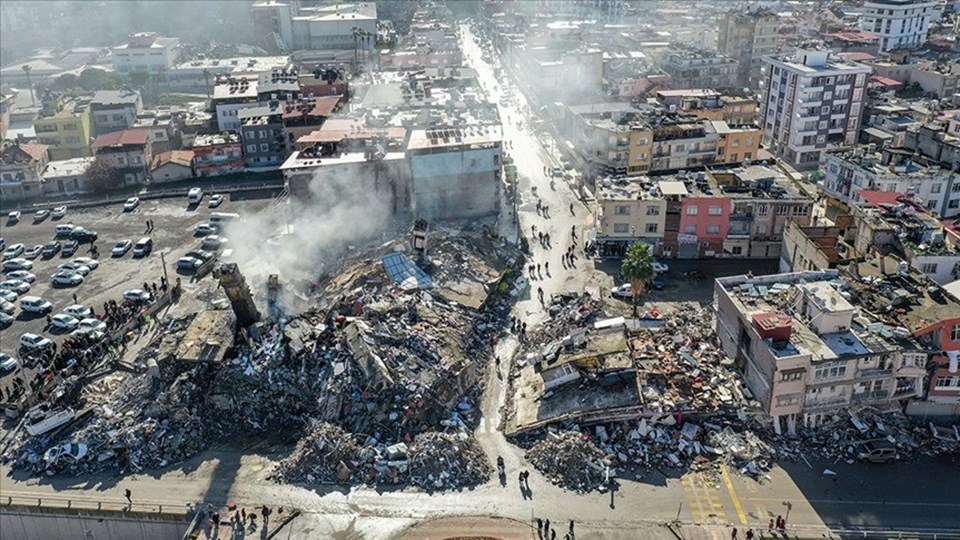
26, 70
637, 267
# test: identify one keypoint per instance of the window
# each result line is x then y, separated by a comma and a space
678, 148
825, 110
761, 209
651, 227
251, 148
263, 134
749, 141
737, 250
830, 371
929, 268
956, 188
622, 210
935, 188
736, 141
948, 382
747, 155
715, 210
713, 229
690, 229
733, 157
621, 228
653, 210
955, 333
692, 210
791, 376
783, 401
264, 147
799, 210
782, 209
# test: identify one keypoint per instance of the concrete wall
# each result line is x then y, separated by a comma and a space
29, 523
457, 184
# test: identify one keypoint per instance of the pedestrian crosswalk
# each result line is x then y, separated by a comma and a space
703, 499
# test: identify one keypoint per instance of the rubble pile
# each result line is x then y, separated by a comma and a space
571, 460
447, 460
322, 455
568, 312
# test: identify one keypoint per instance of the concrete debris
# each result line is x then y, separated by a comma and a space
571, 460
447, 460
323, 455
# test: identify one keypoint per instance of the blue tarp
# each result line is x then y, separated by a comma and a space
402, 270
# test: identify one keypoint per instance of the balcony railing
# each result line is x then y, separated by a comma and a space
741, 216
875, 373
812, 403
870, 396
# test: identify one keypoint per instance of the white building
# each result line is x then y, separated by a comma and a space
230, 95
146, 51
811, 102
339, 26
899, 23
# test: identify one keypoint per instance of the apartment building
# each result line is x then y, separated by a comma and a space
146, 51
806, 352
127, 151
901, 24
21, 168
811, 102
711, 105
115, 110
847, 173
748, 36
64, 125
701, 70
335, 26
736, 144
942, 79
230, 95
217, 153
628, 211
261, 129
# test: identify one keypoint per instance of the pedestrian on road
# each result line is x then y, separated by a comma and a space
243, 514
571, 527
571, 210
546, 267
540, 294
573, 231
520, 479
147, 223
126, 493
749, 534
733, 535
770, 526
553, 534
546, 526
539, 526
74, 298
538, 269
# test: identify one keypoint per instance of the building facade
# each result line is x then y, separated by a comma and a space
115, 110
901, 24
748, 36
696, 70
261, 130
21, 168
218, 153
64, 125
146, 51
127, 151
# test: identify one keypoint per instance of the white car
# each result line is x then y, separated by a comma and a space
13, 251
215, 201
6, 319
22, 275
15, 285
74, 268
33, 252
622, 291
87, 326
64, 322
7, 362
59, 212
121, 248
86, 261
34, 341
136, 295
660, 268
8, 296
78, 311
70, 279
14, 217
7, 307
17, 264
205, 229
213, 242
131, 203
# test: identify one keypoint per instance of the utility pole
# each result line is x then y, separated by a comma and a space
163, 262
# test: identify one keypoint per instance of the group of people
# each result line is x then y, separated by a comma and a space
546, 532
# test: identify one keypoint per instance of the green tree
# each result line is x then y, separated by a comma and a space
637, 267
103, 177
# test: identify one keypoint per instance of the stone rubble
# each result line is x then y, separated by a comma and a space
571, 460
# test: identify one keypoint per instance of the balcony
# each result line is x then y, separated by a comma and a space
871, 396
741, 216
874, 373
817, 403
732, 233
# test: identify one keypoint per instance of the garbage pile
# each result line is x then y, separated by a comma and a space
571, 460
447, 460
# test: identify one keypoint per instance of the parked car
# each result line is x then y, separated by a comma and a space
34, 252
91, 325
82, 235
34, 341
192, 260
13, 217
35, 304
622, 291
67, 278
15, 285
92, 264
74, 268
59, 212
64, 322
660, 267
8, 295
215, 201
3, 244
205, 229
17, 264
52, 248
213, 242
7, 307
143, 247
15, 250
40, 215
22, 275
875, 451
136, 295
64, 229
658, 282
78, 311
121, 248
6, 319
131, 203
7, 363
194, 196
69, 248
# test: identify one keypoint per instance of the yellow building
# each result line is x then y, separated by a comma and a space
64, 126
736, 144
641, 150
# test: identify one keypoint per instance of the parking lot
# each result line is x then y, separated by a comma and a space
172, 235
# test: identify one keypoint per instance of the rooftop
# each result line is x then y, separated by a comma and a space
115, 97
455, 136
211, 139
127, 137
66, 168
179, 157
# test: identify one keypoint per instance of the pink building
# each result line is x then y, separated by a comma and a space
703, 225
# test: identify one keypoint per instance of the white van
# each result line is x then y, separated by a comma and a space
35, 304
195, 196
64, 229
219, 218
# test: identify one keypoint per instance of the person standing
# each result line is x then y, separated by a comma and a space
127, 494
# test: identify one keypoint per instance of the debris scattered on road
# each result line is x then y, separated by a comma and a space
570, 459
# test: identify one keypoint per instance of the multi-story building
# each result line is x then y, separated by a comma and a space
736, 144
682, 142
711, 105
701, 70
115, 110
218, 153
127, 151
939, 142
901, 24
275, 19
282, 84
806, 352
941, 79
21, 168
814, 247
849, 172
261, 129
67, 176
230, 95
337, 26
811, 102
747, 36
63, 124
199, 75
628, 211
146, 51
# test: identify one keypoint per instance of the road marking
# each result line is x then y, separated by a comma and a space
733, 494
